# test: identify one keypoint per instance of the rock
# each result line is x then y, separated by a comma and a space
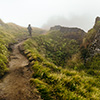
97, 19
95, 45
57, 27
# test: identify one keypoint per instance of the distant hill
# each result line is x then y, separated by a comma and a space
72, 33
19, 31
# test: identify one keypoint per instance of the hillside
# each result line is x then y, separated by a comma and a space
18, 31
71, 33
9, 34
64, 63
90, 50
57, 61
58, 46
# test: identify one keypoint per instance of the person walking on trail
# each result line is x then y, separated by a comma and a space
29, 29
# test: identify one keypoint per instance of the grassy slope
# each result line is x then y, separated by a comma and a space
5, 39
55, 47
92, 64
53, 82
10, 33
89, 37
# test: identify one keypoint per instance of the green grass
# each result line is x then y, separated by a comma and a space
10, 33
57, 83
57, 62
57, 50
4, 53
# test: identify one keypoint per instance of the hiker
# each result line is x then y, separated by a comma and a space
29, 29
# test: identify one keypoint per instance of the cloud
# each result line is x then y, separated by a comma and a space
80, 13
83, 22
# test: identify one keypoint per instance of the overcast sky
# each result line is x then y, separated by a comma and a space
46, 13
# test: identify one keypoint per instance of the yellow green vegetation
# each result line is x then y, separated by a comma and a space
55, 47
58, 68
18, 31
3, 59
5, 39
9, 34
90, 35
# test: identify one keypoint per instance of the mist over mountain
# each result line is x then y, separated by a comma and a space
83, 22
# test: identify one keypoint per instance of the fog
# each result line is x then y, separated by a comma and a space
83, 22
47, 13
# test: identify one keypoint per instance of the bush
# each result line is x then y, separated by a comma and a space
43, 88
3, 68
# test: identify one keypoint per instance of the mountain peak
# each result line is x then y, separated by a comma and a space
97, 19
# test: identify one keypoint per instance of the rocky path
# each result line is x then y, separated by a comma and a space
15, 85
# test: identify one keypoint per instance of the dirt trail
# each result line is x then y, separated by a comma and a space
15, 85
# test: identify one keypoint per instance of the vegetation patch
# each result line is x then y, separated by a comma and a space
71, 82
